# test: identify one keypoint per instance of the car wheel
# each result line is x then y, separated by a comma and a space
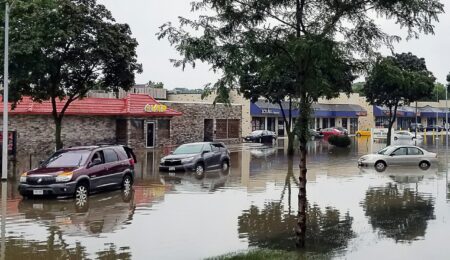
199, 170
424, 165
225, 166
81, 195
127, 184
395, 138
380, 166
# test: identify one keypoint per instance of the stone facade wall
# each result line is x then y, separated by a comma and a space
137, 131
36, 133
190, 126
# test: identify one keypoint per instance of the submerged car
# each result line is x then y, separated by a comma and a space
261, 136
436, 128
363, 133
197, 157
314, 133
399, 155
330, 131
343, 130
77, 171
399, 135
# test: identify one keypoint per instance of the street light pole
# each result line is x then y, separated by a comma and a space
5, 98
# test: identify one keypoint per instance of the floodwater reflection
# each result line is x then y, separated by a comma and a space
351, 212
400, 214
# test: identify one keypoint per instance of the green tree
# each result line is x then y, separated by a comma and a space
155, 84
61, 49
241, 38
358, 87
398, 80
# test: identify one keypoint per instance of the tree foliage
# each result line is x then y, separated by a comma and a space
313, 47
61, 49
398, 80
155, 84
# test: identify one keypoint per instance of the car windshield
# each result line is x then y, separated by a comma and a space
188, 148
67, 159
257, 132
384, 151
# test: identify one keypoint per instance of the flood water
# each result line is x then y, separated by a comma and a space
352, 213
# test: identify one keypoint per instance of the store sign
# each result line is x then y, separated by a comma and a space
268, 111
379, 133
157, 108
12, 141
361, 113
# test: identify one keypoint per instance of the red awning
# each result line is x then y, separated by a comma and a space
131, 105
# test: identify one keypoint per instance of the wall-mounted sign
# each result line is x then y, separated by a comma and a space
361, 113
268, 111
155, 108
12, 142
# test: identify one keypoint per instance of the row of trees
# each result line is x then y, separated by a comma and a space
295, 50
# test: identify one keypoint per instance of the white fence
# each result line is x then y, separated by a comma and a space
157, 93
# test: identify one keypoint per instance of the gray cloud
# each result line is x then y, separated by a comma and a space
145, 16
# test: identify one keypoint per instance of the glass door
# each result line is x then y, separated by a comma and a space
150, 135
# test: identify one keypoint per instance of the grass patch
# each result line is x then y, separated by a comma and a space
258, 254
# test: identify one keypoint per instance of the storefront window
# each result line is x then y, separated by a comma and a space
280, 127
353, 125
431, 121
233, 128
221, 129
381, 121
164, 128
325, 123
271, 124
258, 123
332, 122
344, 123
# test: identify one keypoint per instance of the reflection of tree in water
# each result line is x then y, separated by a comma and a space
273, 228
399, 215
56, 248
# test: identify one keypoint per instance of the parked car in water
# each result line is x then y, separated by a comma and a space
363, 133
314, 133
417, 126
400, 155
78, 171
330, 131
405, 135
436, 128
197, 157
343, 130
261, 136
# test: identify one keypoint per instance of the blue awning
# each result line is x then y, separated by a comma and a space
263, 108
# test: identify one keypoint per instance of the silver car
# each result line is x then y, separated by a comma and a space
400, 155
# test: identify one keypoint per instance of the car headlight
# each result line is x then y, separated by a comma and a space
162, 160
23, 177
362, 159
187, 160
64, 177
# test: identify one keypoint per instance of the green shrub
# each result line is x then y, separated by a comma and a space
339, 140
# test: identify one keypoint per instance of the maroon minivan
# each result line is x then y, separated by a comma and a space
77, 171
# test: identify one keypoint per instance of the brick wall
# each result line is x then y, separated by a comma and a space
36, 133
190, 126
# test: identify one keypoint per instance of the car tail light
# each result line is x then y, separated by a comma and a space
131, 161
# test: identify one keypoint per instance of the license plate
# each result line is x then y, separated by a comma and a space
38, 192
171, 168
38, 206
171, 174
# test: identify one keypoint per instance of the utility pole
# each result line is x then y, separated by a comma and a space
5, 97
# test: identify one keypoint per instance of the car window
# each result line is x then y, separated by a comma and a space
110, 155
207, 148
188, 149
400, 151
414, 151
215, 148
98, 154
67, 159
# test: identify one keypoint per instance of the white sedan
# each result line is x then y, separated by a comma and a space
401, 155
405, 135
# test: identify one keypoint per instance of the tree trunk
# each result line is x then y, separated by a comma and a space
301, 221
58, 141
291, 139
392, 118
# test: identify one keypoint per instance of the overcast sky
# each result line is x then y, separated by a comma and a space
145, 16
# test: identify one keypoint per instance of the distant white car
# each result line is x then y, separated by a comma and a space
405, 135
401, 155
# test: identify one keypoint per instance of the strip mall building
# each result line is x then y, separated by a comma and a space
137, 120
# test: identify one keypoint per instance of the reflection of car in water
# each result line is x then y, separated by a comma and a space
399, 155
409, 174
102, 213
210, 182
262, 152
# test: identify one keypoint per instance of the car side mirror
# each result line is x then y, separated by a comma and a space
41, 162
96, 161
392, 155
